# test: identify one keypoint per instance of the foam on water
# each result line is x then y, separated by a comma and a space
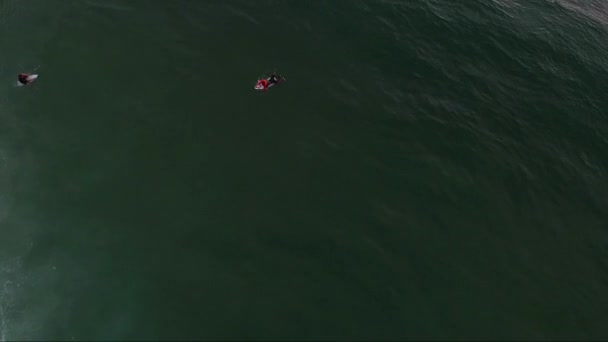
7, 285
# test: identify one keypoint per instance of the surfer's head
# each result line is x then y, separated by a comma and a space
23, 78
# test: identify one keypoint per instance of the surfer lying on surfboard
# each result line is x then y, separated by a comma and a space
25, 79
264, 84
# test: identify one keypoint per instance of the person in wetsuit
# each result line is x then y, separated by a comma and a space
275, 79
23, 79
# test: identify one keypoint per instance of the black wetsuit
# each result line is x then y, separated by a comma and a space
23, 79
274, 79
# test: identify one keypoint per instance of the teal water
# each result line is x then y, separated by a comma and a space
431, 169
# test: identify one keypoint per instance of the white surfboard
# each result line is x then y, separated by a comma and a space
29, 79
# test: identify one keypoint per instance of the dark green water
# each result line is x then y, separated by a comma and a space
431, 169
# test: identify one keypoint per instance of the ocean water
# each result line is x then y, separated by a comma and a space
431, 169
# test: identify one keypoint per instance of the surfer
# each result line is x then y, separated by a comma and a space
264, 84
25, 79
275, 79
